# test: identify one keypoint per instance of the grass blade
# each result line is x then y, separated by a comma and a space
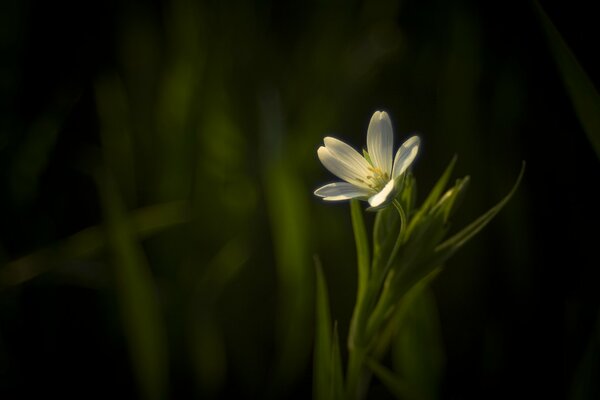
337, 375
322, 365
399, 388
140, 309
288, 212
434, 195
88, 242
438, 189
581, 90
455, 242
362, 248
417, 351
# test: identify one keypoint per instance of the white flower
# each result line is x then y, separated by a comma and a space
374, 178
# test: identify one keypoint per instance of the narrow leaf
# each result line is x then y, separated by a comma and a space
337, 377
362, 248
383, 341
396, 386
417, 350
137, 296
385, 231
88, 242
439, 187
287, 206
581, 90
452, 198
456, 241
322, 365
434, 195
408, 193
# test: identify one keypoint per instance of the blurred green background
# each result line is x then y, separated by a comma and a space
157, 163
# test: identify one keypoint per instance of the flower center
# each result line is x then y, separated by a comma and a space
378, 179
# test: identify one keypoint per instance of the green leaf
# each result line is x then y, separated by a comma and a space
88, 242
323, 372
362, 248
418, 258
437, 190
408, 193
363, 260
434, 195
449, 246
425, 236
452, 198
417, 351
287, 204
581, 90
337, 376
401, 286
137, 292
208, 351
396, 386
223, 268
385, 232
384, 339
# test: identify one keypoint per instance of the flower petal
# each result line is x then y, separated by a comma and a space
340, 168
346, 154
405, 156
341, 191
385, 196
380, 141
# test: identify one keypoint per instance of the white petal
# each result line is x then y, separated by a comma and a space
385, 196
347, 155
380, 141
339, 168
405, 156
341, 191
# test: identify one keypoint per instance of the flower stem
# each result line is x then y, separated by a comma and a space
359, 338
357, 378
403, 225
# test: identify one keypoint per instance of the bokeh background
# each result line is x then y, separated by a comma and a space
157, 163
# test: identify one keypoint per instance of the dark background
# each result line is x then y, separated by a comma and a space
223, 105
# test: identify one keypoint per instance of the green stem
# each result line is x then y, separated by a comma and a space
357, 375
403, 225
380, 309
399, 242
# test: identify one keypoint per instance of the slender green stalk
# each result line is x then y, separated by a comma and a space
357, 375
401, 237
362, 248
